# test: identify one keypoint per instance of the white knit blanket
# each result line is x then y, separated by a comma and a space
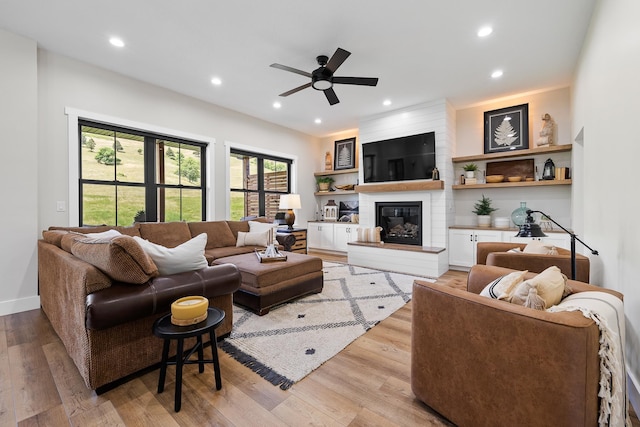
607, 312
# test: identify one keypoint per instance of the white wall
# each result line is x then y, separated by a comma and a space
436, 116
555, 201
605, 102
64, 82
19, 174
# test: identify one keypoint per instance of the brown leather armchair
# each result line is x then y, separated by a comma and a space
495, 253
483, 362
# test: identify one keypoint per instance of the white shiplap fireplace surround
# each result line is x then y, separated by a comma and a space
437, 205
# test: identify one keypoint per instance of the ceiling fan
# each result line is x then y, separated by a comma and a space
323, 79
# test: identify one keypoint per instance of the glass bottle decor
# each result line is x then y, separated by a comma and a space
519, 216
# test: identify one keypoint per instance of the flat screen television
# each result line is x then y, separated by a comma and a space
400, 159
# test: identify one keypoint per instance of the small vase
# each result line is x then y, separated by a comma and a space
470, 174
519, 216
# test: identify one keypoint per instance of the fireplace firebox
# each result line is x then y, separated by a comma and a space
401, 222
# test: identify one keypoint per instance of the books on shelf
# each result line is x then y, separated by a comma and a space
562, 173
470, 181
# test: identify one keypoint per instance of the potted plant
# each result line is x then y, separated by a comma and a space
483, 209
470, 170
324, 183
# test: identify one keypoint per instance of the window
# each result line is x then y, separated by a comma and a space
256, 182
128, 175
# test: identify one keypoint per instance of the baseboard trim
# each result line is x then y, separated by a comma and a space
19, 305
633, 390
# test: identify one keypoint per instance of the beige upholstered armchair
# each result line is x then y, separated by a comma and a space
484, 362
495, 253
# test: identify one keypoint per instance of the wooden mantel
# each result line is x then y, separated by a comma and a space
399, 186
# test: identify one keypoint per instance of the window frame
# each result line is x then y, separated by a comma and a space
261, 191
74, 115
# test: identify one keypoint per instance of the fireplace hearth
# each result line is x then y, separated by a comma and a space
401, 222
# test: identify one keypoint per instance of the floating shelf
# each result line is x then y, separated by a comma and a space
515, 153
334, 193
513, 184
400, 186
338, 172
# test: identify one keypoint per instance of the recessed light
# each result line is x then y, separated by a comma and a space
496, 74
116, 41
318, 121
386, 102
216, 81
277, 105
485, 31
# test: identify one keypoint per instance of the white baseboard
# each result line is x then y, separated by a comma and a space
633, 390
19, 305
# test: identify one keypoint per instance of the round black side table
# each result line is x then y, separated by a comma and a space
163, 328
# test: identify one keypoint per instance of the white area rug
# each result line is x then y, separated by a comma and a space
295, 338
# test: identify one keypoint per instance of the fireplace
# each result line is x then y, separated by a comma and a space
401, 222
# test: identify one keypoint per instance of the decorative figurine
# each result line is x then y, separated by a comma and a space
546, 133
328, 163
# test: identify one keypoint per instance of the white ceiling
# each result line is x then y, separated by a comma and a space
421, 50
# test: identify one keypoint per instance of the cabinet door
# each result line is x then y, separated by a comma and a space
313, 235
320, 236
461, 248
462, 245
486, 236
343, 234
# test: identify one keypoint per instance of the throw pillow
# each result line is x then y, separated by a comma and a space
252, 239
119, 257
259, 227
542, 291
540, 248
503, 287
188, 256
54, 236
104, 235
219, 234
371, 234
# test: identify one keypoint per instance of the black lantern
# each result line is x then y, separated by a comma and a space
549, 171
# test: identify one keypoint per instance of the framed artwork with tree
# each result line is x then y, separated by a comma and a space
345, 154
506, 129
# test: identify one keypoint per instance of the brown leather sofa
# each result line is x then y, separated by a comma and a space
483, 362
106, 325
496, 253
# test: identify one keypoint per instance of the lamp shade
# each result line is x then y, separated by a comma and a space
290, 201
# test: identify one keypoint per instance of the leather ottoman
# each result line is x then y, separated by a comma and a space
265, 285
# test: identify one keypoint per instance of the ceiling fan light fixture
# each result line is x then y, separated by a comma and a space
322, 85
321, 79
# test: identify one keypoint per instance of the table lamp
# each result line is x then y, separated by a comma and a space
290, 202
531, 229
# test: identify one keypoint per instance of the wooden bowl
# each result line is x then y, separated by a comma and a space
345, 187
515, 178
491, 179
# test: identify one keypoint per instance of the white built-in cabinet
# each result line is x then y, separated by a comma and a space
331, 236
463, 242
343, 234
462, 245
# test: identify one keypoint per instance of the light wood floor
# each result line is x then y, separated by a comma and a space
366, 384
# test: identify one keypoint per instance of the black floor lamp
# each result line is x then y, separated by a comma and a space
531, 229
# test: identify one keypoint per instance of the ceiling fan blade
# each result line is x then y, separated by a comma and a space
363, 81
290, 69
298, 89
337, 59
331, 96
